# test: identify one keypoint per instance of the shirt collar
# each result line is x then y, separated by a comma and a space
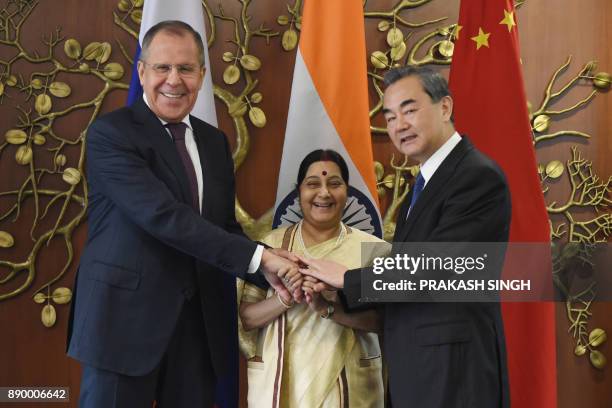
435, 160
164, 123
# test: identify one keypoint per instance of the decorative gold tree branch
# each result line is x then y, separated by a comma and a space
34, 128
398, 8
540, 119
549, 136
289, 38
587, 192
243, 64
395, 181
575, 258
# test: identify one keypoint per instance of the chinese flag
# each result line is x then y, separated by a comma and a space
490, 106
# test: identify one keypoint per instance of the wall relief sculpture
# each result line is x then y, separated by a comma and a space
48, 197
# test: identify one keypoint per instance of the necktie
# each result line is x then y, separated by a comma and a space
178, 135
416, 190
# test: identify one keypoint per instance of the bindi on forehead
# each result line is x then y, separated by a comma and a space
324, 172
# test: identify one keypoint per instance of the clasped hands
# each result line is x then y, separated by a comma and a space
296, 278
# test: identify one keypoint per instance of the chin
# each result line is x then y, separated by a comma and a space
328, 222
411, 150
174, 115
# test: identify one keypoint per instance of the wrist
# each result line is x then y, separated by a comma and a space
286, 305
265, 257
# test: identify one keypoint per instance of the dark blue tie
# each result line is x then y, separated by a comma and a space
416, 189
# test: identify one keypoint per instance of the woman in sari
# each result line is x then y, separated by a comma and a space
314, 354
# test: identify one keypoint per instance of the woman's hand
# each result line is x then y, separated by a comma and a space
315, 300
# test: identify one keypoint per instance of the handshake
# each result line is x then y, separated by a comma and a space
296, 278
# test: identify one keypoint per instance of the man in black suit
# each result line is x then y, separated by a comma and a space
438, 354
149, 321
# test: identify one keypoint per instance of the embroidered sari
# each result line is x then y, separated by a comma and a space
302, 360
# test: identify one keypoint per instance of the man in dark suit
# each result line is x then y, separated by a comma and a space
148, 322
438, 354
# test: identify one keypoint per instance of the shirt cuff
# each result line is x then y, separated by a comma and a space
256, 259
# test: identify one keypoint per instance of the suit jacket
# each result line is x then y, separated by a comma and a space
147, 250
448, 354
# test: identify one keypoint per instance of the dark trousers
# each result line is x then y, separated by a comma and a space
184, 377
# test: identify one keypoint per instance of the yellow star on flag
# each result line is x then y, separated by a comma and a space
508, 19
481, 39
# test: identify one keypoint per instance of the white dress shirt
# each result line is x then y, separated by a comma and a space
435, 160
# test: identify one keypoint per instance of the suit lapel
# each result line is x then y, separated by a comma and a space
158, 136
433, 188
207, 157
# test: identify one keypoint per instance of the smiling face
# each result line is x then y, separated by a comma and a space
416, 125
171, 95
323, 195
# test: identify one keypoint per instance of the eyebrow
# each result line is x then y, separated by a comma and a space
402, 104
317, 177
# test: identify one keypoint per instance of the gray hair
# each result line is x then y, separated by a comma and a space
175, 27
433, 83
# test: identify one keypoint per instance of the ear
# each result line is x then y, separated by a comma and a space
202, 74
446, 105
141, 69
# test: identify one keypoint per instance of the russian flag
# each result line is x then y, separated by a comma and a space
191, 12
329, 109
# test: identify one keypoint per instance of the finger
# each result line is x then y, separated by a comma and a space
310, 279
308, 284
290, 279
310, 272
287, 269
320, 287
297, 279
298, 295
304, 260
297, 285
282, 271
294, 276
280, 288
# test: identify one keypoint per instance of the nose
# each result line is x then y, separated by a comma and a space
173, 77
323, 191
402, 122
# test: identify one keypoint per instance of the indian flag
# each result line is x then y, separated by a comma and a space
328, 109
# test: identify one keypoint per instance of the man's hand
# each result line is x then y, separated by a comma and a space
326, 271
283, 275
285, 254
